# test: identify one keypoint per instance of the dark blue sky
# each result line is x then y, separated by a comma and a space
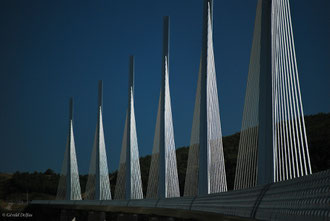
52, 50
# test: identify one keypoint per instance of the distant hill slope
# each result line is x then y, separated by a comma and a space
44, 185
4, 181
318, 136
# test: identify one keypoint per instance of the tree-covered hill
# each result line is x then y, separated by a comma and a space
19, 186
318, 136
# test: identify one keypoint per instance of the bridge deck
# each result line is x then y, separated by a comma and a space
303, 198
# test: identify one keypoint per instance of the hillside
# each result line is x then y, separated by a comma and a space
44, 185
318, 135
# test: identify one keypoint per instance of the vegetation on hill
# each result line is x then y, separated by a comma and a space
19, 186
318, 137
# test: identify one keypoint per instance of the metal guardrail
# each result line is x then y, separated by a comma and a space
303, 198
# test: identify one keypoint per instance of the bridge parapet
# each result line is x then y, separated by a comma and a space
303, 198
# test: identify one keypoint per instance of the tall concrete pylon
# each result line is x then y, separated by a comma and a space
206, 166
129, 184
69, 185
273, 143
163, 176
98, 184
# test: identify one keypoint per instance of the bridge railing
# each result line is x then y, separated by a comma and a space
303, 198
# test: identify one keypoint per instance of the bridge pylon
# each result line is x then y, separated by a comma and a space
129, 184
206, 166
69, 185
98, 184
163, 176
273, 144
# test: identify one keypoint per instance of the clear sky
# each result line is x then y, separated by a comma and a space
52, 50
